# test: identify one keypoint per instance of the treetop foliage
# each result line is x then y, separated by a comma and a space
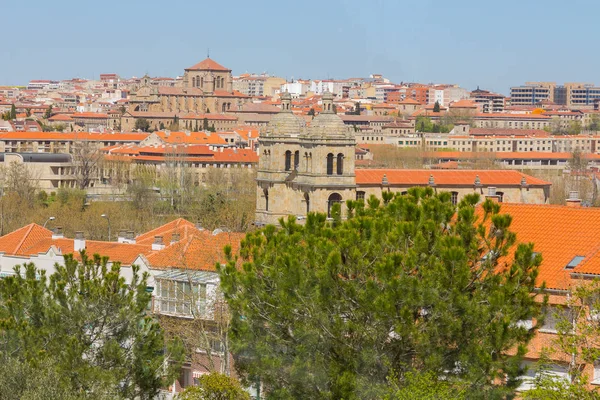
85, 325
407, 283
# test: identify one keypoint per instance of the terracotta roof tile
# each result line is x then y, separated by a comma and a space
208, 64
420, 177
559, 233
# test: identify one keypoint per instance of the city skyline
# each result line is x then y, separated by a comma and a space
466, 44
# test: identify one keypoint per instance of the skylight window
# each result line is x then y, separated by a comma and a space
574, 262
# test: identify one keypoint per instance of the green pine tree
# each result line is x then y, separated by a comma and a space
331, 309
436, 107
90, 325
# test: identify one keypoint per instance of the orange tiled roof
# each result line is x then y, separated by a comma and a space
182, 226
420, 177
191, 138
198, 252
559, 233
208, 64
66, 136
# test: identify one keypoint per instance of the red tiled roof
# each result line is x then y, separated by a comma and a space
66, 136
420, 177
559, 233
208, 64
198, 252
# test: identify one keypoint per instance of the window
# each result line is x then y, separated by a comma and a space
500, 196
266, 193
554, 315
174, 297
288, 160
360, 195
333, 199
340, 164
454, 198
574, 262
296, 159
329, 164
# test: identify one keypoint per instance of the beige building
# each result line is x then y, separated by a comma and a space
207, 87
532, 93
304, 169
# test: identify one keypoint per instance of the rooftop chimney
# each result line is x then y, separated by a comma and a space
384, 180
431, 181
199, 226
573, 200
158, 243
79, 242
477, 181
58, 233
492, 194
175, 237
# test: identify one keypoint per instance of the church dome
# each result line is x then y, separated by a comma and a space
285, 123
328, 123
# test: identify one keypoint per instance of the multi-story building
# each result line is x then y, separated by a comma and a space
532, 93
489, 102
581, 95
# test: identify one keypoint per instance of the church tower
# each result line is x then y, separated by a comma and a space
304, 169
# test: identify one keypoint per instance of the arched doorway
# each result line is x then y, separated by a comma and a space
333, 198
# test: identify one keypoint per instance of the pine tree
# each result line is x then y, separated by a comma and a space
332, 309
436, 107
48, 112
205, 124
13, 112
90, 325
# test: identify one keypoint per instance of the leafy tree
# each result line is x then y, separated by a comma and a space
326, 310
594, 124
205, 124
436, 107
13, 112
48, 112
122, 110
427, 386
578, 328
142, 124
90, 324
215, 387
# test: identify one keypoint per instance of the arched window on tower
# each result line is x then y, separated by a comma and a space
266, 193
340, 164
201, 83
193, 81
333, 198
329, 164
223, 106
296, 159
288, 160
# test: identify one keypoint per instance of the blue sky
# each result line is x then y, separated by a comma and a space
491, 44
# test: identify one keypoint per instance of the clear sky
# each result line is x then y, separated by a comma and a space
491, 44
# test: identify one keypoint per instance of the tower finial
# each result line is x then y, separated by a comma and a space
208, 52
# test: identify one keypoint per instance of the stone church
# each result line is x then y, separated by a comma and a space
207, 88
304, 169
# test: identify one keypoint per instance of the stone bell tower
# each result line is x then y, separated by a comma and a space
304, 169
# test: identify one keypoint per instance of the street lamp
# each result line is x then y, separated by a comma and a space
49, 219
107, 220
